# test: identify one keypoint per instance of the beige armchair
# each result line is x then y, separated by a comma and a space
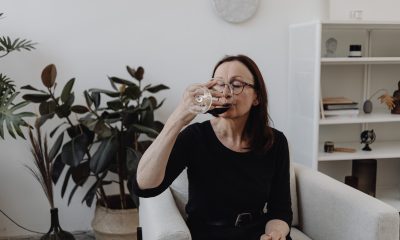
323, 209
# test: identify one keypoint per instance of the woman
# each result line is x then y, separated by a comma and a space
237, 165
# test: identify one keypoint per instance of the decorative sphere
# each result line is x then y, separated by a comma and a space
367, 107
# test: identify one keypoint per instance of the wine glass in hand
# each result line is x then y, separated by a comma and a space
214, 97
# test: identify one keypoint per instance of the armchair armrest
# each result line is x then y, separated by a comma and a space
331, 210
160, 219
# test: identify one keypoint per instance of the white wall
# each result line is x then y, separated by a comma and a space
178, 42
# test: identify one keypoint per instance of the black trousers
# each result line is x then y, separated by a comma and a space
252, 231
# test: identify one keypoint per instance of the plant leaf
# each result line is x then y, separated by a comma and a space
107, 92
81, 173
29, 87
157, 88
143, 129
121, 81
56, 147
58, 167
8, 115
79, 109
67, 90
137, 74
132, 160
74, 151
104, 155
133, 92
49, 75
36, 98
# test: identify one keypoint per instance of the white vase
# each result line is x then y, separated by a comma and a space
115, 224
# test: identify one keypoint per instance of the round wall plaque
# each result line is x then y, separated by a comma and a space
235, 11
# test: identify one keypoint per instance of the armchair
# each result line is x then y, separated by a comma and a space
323, 209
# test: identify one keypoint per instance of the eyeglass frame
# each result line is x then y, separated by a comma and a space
232, 87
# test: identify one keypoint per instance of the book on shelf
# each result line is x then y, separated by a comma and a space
342, 112
340, 106
337, 100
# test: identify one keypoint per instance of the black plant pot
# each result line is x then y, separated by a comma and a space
56, 232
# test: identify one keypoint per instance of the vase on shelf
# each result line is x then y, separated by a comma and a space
56, 232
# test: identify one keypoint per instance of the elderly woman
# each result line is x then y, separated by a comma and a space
237, 164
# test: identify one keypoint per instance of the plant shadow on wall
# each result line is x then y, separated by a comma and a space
106, 139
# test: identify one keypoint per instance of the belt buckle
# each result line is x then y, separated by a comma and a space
242, 219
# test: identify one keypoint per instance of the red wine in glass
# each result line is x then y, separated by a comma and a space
219, 110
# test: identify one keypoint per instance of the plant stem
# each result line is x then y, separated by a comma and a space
121, 162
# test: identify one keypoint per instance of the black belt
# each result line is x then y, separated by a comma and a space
241, 219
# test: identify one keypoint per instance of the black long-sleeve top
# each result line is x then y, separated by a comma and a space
224, 183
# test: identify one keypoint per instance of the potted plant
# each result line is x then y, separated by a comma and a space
106, 139
8, 116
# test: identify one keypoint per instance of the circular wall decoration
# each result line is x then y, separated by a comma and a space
235, 11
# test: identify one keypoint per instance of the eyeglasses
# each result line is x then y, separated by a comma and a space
236, 86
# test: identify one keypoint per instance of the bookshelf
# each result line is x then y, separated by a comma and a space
312, 76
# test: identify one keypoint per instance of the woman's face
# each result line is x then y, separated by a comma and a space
242, 103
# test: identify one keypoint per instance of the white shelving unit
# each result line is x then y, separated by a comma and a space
313, 76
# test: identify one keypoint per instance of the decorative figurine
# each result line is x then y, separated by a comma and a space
367, 137
396, 100
331, 45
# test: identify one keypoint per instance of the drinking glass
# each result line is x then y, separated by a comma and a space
214, 99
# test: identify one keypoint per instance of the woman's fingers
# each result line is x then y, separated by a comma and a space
265, 237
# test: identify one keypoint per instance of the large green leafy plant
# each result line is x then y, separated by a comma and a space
8, 117
105, 138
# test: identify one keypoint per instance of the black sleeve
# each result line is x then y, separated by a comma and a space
280, 204
177, 162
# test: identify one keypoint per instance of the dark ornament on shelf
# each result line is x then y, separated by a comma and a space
367, 137
396, 100
56, 232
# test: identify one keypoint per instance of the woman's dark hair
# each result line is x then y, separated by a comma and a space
257, 128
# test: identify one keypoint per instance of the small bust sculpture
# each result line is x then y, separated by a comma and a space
396, 100
331, 45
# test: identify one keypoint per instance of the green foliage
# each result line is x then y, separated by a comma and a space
7, 45
12, 120
106, 138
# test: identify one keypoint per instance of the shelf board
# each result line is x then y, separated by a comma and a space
380, 149
389, 195
374, 117
359, 60
361, 24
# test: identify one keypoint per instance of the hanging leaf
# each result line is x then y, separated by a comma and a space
66, 92
88, 98
49, 75
143, 129
36, 98
55, 129
133, 92
81, 173
107, 92
58, 167
74, 150
137, 74
79, 109
132, 160
56, 147
95, 96
115, 105
12, 120
157, 88
63, 111
66, 180
104, 155
29, 87
121, 81
47, 107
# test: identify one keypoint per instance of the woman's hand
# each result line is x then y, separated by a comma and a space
182, 114
274, 235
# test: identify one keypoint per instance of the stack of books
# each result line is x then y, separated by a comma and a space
340, 106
